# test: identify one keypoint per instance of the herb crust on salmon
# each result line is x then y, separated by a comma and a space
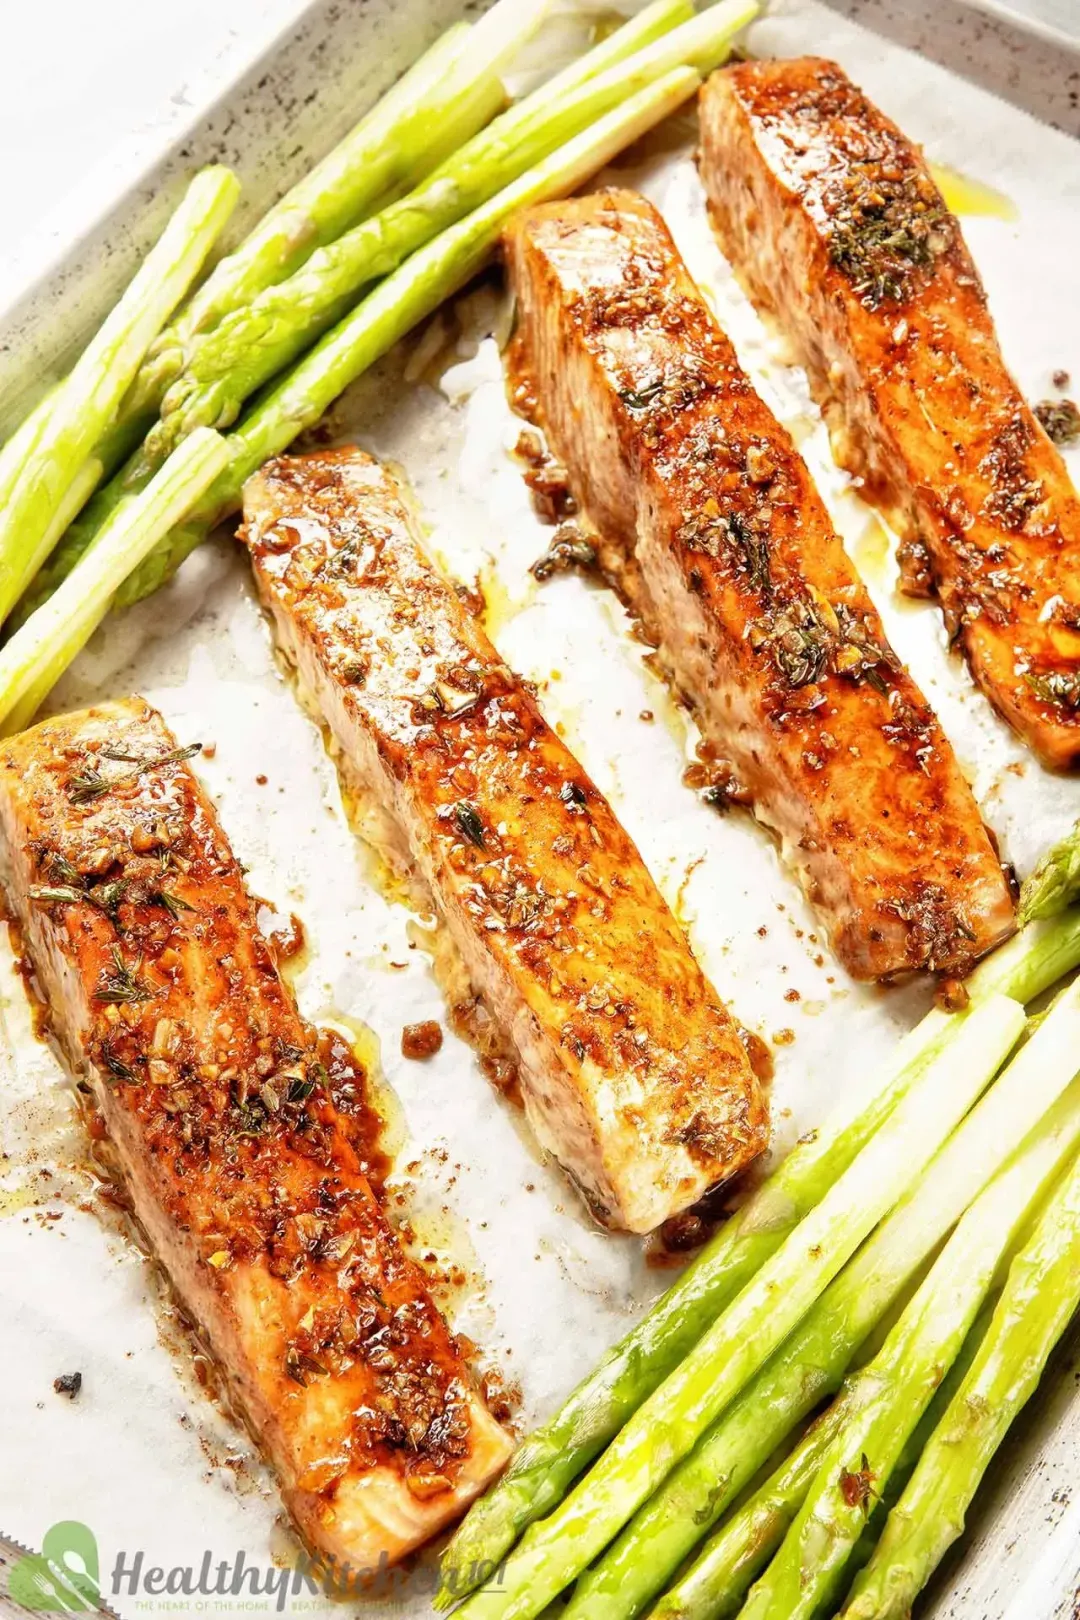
832, 218
707, 517
632, 1072
239, 1149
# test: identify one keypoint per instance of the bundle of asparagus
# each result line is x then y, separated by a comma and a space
443, 180
804, 1294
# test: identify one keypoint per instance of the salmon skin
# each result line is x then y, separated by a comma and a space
707, 515
234, 1143
632, 1073
830, 215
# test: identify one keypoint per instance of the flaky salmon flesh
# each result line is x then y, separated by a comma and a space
239, 1151
632, 1073
707, 515
831, 216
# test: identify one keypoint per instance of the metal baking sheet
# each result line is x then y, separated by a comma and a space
144, 1459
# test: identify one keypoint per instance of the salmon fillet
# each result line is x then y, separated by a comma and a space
831, 216
234, 1143
708, 518
632, 1073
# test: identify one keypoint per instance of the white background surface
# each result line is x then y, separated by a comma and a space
80, 80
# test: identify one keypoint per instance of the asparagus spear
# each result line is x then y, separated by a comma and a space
890, 1395
251, 345
444, 98
713, 1588
393, 309
543, 1468
812, 1362
920, 1436
79, 491
414, 291
332, 197
87, 401
1040, 1297
1055, 882
33, 659
19, 445
663, 1430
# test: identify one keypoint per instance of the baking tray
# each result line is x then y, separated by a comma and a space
544, 1291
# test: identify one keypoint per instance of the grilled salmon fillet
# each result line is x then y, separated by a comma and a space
632, 1073
832, 218
235, 1144
708, 517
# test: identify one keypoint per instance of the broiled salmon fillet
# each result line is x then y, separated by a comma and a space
234, 1140
832, 218
708, 517
632, 1073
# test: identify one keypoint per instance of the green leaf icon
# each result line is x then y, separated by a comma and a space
63, 1578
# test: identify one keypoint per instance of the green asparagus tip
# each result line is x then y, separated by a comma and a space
1055, 882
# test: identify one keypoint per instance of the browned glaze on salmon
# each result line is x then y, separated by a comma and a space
708, 516
234, 1142
632, 1072
830, 214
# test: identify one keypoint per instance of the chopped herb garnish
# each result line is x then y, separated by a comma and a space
116, 1067
108, 896
300, 1367
172, 902
801, 651
468, 819
62, 869
252, 1118
639, 398
887, 227
303, 1085
755, 550
89, 784
43, 895
1060, 418
1059, 686
569, 549
122, 984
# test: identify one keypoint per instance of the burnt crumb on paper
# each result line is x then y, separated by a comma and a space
1060, 418
421, 1041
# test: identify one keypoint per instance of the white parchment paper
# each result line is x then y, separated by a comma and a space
143, 1457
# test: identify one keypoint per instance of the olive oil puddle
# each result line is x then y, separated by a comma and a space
973, 198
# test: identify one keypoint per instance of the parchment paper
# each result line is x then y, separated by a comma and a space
142, 1456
